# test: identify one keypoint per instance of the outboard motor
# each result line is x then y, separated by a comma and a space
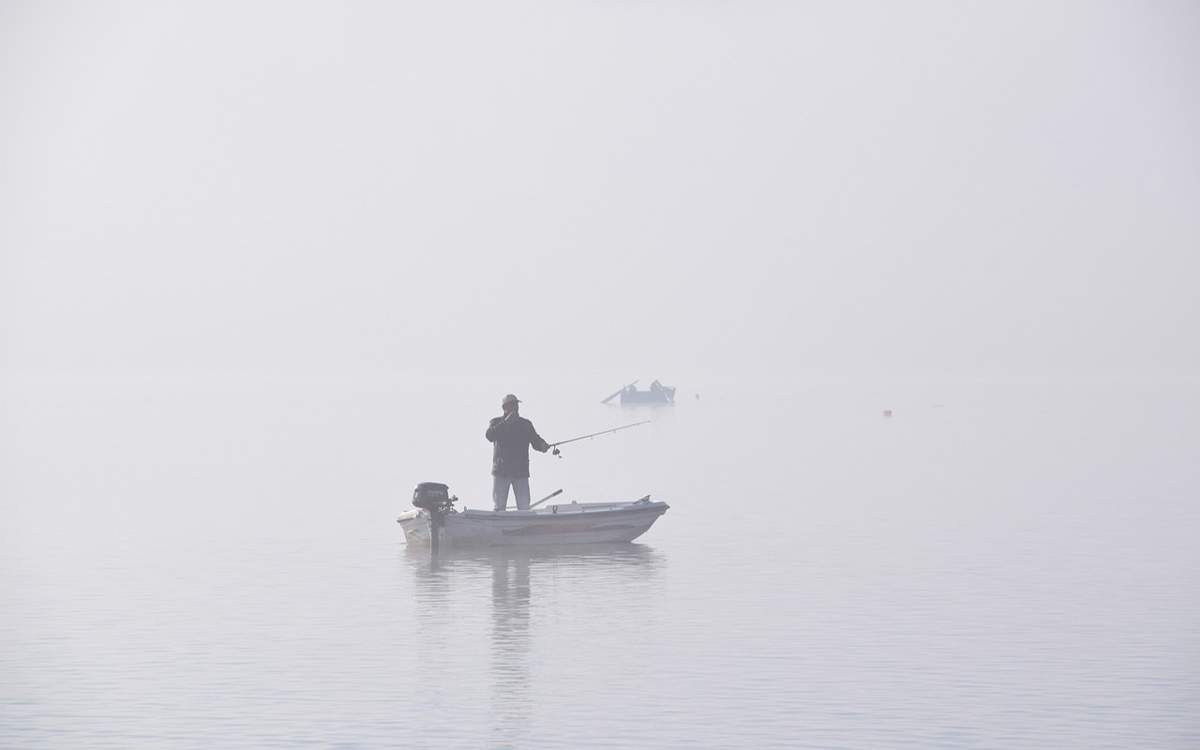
432, 496
435, 499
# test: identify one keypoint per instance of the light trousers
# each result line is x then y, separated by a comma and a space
520, 487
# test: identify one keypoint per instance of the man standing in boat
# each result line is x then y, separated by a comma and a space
511, 436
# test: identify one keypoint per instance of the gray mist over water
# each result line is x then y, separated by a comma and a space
262, 271
1000, 567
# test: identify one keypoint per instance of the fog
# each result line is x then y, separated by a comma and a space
711, 189
933, 267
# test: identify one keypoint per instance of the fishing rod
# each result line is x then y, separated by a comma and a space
596, 434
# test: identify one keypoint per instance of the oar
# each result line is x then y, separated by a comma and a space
618, 393
556, 493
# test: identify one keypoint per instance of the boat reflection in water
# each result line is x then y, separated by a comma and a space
536, 594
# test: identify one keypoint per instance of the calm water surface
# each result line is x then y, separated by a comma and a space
217, 565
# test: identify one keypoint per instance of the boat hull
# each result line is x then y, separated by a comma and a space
663, 397
573, 523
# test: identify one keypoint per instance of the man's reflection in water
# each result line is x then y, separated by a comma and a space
520, 575
511, 695
448, 592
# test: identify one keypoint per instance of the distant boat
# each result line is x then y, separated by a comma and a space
566, 523
657, 393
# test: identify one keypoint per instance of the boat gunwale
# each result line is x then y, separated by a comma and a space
528, 515
517, 516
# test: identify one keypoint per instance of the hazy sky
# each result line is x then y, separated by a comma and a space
659, 188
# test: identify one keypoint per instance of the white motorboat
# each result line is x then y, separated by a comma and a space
565, 523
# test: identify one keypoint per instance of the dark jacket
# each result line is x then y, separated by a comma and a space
510, 446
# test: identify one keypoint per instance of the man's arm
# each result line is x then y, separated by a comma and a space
535, 440
493, 428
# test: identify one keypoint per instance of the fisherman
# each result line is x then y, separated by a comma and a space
511, 436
